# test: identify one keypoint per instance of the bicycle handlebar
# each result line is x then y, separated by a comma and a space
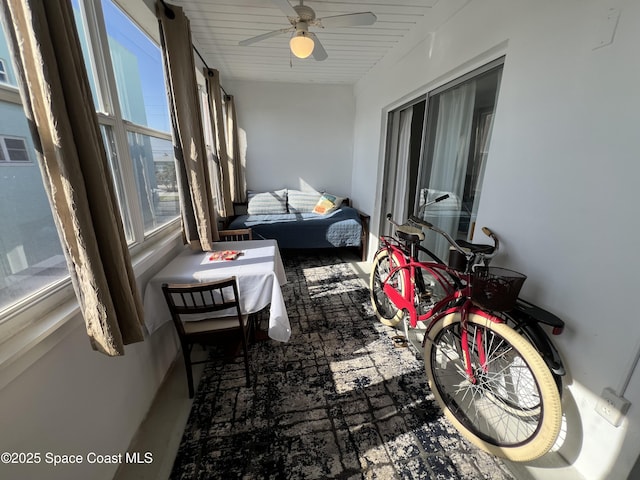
430, 226
423, 223
453, 242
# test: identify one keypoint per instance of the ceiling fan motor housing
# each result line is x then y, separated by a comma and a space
306, 14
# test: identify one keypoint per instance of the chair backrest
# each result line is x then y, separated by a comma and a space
199, 298
235, 235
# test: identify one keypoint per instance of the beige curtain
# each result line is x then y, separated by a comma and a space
199, 222
217, 122
236, 154
58, 103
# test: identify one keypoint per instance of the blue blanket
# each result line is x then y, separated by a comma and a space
341, 228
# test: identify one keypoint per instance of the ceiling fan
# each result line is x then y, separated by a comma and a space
304, 43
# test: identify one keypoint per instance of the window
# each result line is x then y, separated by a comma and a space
13, 150
4, 78
125, 71
130, 95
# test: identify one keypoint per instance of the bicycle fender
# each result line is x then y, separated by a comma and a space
540, 340
533, 312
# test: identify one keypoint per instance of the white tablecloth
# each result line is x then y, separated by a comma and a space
258, 270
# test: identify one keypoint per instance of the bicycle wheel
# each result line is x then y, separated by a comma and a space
513, 410
523, 330
385, 310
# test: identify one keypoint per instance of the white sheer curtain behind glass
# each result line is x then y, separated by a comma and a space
399, 210
397, 177
449, 162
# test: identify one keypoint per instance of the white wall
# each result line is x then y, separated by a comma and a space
73, 400
298, 136
558, 186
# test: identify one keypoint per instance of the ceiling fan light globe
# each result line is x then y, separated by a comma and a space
301, 45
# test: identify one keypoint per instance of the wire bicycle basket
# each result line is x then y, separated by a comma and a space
496, 288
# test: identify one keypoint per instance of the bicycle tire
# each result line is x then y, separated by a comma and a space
385, 310
514, 409
538, 342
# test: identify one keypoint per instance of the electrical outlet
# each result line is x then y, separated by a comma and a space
612, 407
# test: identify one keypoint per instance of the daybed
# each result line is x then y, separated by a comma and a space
291, 218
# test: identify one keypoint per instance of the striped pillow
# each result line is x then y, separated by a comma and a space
267, 202
302, 202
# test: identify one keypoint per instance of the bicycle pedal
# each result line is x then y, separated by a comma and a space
400, 341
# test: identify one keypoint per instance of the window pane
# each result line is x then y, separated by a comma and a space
138, 67
79, 17
116, 172
30, 254
155, 175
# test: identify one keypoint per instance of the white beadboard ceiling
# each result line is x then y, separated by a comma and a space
218, 25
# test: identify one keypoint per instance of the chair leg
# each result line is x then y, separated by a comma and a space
246, 357
186, 352
253, 327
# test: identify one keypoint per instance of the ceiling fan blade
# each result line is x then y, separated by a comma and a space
319, 53
264, 36
286, 7
348, 20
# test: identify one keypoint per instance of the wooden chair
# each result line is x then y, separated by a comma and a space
199, 301
235, 235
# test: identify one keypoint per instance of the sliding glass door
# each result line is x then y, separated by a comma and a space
445, 155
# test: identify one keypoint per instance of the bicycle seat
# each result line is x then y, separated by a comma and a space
409, 234
476, 247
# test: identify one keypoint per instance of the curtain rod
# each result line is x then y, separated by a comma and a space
207, 66
171, 15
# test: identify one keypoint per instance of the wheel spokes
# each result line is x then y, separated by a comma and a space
503, 405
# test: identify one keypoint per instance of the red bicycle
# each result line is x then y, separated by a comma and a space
491, 366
